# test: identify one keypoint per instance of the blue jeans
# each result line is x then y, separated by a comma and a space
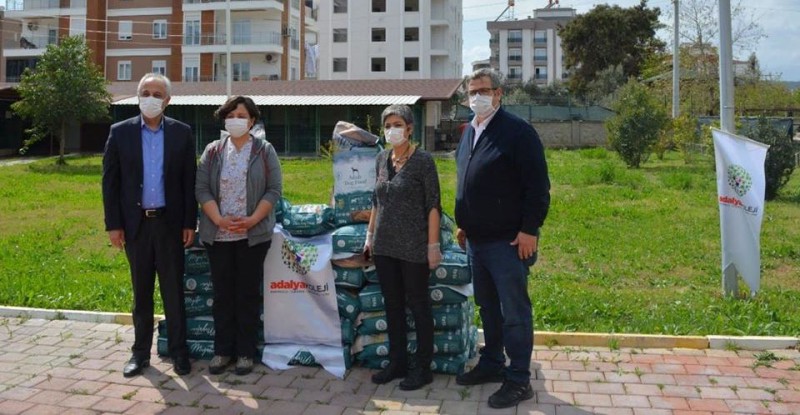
500, 279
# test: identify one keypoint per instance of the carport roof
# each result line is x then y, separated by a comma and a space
305, 92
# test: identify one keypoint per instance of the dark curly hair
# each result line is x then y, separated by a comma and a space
222, 112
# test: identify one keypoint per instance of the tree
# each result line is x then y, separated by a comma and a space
779, 164
65, 87
638, 124
609, 36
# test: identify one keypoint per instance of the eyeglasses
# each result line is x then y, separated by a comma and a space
482, 91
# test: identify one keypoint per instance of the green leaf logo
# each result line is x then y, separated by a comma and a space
739, 179
299, 256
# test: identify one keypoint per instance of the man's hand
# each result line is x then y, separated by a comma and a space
188, 237
461, 237
526, 245
117, 238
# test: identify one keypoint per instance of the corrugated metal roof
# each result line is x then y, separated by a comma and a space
278, 100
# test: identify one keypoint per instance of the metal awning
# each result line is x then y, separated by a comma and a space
284, 100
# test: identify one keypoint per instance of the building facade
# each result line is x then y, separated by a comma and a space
390, 39
530, 49
187, 40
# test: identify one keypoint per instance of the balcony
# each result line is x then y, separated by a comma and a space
196, 5
269, 42
539, 40
29, 5
515, 58
16, 45
515, 40
540, 59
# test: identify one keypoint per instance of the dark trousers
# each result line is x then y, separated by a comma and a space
237, 273
157, 249
405, 284
500, 280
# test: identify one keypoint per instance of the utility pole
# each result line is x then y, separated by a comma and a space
229, 68
676, 64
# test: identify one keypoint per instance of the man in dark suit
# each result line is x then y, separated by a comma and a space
150, 211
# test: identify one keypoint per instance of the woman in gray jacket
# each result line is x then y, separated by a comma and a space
238, 184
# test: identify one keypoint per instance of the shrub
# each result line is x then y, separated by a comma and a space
779, 165
638, 124
686, 136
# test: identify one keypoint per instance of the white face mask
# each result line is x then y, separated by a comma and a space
237, 127
150, 106
481, 105
395, 136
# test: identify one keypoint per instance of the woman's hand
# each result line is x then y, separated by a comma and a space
368, 246
434, 255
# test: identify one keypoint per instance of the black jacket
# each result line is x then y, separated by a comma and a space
503, 187
123, 176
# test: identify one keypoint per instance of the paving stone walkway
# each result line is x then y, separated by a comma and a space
73, 367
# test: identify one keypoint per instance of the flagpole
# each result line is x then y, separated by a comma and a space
729, 274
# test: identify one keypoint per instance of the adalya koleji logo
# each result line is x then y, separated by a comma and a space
739, 179
741, 182
299, 257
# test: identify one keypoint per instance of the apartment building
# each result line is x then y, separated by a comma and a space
186, 40
530, 49
390, 39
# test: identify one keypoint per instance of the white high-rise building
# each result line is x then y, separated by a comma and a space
530, 49
390, 39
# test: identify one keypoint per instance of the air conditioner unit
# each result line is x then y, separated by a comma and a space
33, 25
270, 58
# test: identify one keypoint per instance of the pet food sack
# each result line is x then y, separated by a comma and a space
371, 298
355, 150
198, 283
453, 270
308, 220
350, 238
195, 261
348, 277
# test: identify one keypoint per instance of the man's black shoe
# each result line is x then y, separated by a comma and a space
511, 394
182, 365
478, 376
417, 378
389, 373
135, 366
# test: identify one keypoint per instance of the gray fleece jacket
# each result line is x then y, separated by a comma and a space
264, 182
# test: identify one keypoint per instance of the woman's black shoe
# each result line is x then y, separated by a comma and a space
389, 373
416, 379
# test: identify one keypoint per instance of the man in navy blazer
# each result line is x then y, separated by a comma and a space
150, 211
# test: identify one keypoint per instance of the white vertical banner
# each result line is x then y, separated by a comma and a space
300, 310
740, 192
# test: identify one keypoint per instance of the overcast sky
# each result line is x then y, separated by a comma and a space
777, 53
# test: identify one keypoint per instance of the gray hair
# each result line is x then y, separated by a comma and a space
158, 77
494, 76
402, 111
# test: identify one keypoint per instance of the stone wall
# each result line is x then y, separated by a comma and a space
571, 134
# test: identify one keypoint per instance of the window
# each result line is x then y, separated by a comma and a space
339, 35
412, 6
515, 54
412, 64
241, 32
378, 65
378, 34
241, 71
191, 68
296, 4
514, 72
191, 74
540, 54
125, 30
340, 6
539, 36
160, 67
159, 29
540, 72
515, 35
124, 71
340, 64
379, 6
191, 32
412, 34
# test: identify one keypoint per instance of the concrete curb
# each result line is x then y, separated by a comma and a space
542, 338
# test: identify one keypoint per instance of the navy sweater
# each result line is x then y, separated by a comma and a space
503, 187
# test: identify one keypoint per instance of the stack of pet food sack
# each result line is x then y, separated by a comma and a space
198, 300
455, 336
354, 156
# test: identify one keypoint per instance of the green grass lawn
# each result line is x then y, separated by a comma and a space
625, 251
